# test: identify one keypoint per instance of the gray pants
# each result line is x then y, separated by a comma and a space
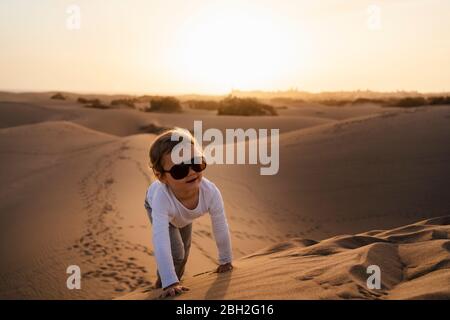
180, 243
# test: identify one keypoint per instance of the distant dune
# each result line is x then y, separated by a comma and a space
74, 181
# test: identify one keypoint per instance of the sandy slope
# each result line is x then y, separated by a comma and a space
42, 211
74, 180
375, 171
414, 261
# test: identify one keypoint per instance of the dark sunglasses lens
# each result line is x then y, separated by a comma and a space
198, 164
179, 171
199, 167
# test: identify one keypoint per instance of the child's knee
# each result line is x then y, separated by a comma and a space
182, 256
179, 260
178, 254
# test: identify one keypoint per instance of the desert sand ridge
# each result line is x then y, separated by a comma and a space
414, 261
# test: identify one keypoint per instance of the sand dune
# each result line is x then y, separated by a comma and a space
42, 211
414, 261
376, 171
124, 122
75, 179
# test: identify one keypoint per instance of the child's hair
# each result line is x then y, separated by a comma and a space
163, 144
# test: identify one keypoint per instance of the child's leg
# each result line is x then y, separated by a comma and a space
180, 243
186, 236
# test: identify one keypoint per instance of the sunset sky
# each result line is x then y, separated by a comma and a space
210, 47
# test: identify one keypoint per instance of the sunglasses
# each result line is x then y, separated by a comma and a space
180, 171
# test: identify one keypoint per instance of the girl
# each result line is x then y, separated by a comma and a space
179, 196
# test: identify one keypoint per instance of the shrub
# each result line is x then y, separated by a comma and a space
125, 102
442, 100
203, 104
58, 96
145, 98
165, 104
84, 100
245, 107
407, 102
97, 104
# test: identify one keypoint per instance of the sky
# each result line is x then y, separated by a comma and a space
212, 47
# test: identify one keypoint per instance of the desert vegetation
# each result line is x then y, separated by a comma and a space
93, 103
418, 101
245, 107
234, 106
58, 96
403, 102
86, 100
97, 105
340, 98
164, 104
124, 102
210, 105
439, 100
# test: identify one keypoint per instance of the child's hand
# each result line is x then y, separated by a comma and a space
224, 267
173, 290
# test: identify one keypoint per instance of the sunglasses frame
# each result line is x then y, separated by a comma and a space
189, 165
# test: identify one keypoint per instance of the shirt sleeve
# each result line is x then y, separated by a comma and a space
161, 239
220, 227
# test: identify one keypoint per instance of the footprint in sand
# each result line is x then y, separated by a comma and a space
101, 245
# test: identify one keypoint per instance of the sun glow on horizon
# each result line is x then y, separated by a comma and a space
214, 46
221, 49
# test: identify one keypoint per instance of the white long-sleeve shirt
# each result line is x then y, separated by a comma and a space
165, 208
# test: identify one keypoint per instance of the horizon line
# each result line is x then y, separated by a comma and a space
290, 90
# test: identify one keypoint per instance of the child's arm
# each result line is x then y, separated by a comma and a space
221, 230
161, 241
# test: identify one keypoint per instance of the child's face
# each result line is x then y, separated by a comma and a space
188, 183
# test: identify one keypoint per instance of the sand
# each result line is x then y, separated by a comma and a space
414, 263
74, 181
